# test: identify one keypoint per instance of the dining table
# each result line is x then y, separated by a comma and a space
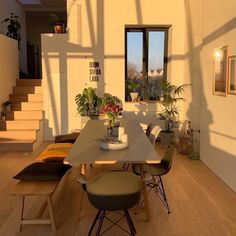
87, 149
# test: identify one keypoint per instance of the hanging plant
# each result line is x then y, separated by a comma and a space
13, 27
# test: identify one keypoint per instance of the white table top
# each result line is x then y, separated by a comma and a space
86, 149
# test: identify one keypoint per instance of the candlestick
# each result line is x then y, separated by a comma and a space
121, 131
124, 138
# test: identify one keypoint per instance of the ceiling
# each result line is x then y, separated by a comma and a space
43, 5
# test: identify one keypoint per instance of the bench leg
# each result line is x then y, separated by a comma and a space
22, 212
42, 209
51, 213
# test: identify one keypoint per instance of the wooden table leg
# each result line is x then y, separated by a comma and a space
145, 195
81, 194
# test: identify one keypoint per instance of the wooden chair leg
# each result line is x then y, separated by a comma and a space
22, 212
51, 213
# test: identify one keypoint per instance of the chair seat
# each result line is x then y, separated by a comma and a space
114, 190
152, 169
115, 183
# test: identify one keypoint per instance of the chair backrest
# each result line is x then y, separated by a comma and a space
168, 158
149, 128
154, 134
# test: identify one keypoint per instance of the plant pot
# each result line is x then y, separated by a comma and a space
166, 137
58, 29
134, 96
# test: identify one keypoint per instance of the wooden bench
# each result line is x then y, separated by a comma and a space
37, 188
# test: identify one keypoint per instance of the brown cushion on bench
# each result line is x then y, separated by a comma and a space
66, 138
43, 171
55, 152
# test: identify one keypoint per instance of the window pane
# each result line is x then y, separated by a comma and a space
155, 63
134, 63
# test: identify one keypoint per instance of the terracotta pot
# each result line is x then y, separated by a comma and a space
58, 29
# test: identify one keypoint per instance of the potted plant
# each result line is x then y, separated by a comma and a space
3, 115
88, 103
170, 113
13, 27
57, 23
133, 87
111, 107
7, 106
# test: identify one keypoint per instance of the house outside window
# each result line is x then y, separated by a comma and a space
145, 62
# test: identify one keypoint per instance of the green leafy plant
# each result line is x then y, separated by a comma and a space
6, 105
88, 102
133, 85
13, 27
169, 100
111, 107
107, 98
54, 19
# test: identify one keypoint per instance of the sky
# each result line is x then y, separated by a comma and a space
155, 50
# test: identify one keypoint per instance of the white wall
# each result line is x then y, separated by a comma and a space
218, 113
6, 7
96, 32
9, 67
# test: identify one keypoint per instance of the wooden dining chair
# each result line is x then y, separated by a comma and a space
114, 190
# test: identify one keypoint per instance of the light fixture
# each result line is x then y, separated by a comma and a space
218, 54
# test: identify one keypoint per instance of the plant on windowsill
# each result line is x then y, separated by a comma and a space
57, 23
133, 87
170, 113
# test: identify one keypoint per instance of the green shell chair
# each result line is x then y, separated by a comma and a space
154, 173
114, 190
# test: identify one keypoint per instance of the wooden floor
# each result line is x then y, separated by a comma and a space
201, 204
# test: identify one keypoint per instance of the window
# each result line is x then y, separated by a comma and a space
145, 62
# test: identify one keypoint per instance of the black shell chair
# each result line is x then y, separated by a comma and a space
155, 172
114, 190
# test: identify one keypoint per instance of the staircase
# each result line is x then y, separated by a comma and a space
22, 131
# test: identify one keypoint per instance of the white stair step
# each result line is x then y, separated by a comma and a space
28, 82
9, 135
24, 115
27, 106
27, 90
19, 124
17, 145
26, 98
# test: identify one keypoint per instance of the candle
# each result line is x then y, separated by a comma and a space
124, 138
121, 131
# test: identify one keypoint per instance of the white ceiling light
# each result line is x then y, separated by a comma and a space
30, 2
